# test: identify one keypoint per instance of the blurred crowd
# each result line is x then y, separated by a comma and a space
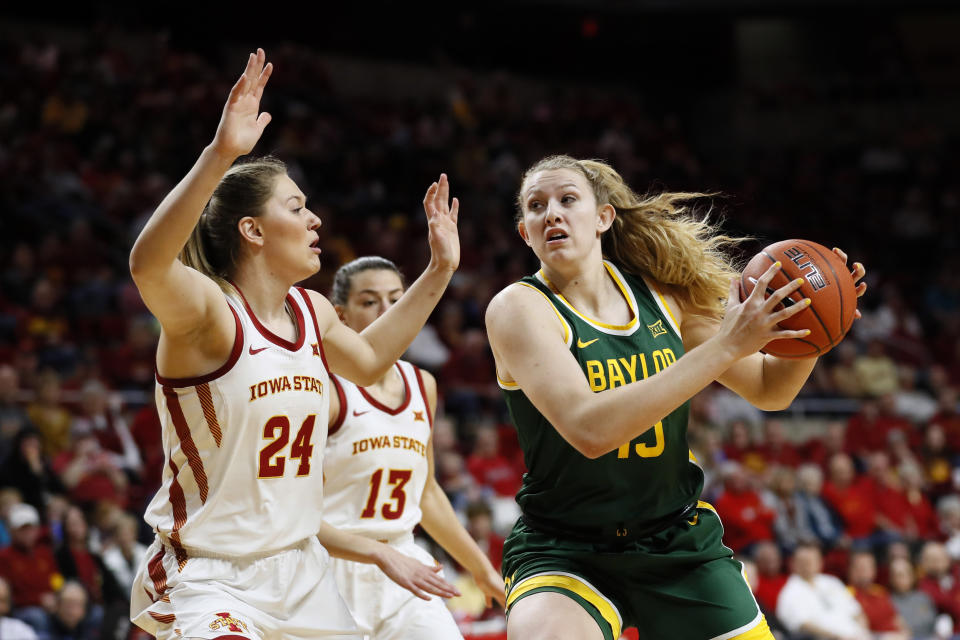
855, 499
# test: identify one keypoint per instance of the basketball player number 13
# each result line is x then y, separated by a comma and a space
397, 477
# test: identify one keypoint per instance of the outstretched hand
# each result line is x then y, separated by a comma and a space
442, 223
242, 124
414, 576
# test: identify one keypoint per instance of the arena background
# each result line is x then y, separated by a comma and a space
837, 122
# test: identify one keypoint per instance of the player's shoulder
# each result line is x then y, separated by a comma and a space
322, 307
315, 298
517, 298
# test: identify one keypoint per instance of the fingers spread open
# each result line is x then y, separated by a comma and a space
763, 282
733, 295
782, 293
238, 88
443, 193
428, 199
264, 77
790, 311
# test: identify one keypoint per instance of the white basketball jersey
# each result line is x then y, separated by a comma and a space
376, 459
244, 444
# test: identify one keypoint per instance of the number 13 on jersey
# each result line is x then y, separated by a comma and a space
645, 450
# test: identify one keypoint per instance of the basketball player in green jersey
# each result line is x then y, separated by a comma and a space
629, 302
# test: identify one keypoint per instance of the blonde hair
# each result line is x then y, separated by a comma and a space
657, 235
214, 246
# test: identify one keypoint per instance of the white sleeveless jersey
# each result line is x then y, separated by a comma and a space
375, 464
244, 444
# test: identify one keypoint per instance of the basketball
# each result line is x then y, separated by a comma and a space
826, 281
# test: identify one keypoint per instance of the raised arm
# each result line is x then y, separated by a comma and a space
363, 358
186, 302
529, 345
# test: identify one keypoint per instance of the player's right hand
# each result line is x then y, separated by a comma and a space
419, 579
241, 123
749, 325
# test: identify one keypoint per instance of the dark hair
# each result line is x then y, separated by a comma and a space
343, 279
214, 245
478, 508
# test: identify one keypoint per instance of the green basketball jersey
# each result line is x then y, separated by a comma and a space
646, 479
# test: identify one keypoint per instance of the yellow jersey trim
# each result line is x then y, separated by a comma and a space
506, 384
575, 585
662, 303
624, 329
706, 505
756, 629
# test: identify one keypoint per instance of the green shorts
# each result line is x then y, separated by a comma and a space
680, 583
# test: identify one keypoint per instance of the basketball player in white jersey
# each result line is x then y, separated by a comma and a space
379, 474
243, 392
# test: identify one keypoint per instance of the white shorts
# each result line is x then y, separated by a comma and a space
386, 611
288, 595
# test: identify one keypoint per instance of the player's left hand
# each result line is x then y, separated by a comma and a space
442, 223
419, 579
857, 272
492, 586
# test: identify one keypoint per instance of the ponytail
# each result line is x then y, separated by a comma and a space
213, 247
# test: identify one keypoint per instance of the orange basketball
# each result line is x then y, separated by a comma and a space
826, 281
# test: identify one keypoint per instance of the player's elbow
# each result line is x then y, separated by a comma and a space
773, 401
136, 264
579, 435
142, 268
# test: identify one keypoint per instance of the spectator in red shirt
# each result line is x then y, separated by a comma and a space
776, 449
488, 467
852, 498
948, 417
90, 473
29, 568
940, 580
770, 574
746, 519
480, 526
469, 379
146, 432
869, 429
937, 461
882, 616
740, 447
920, 514
820, 450
893, 509
77, 561
131, 365
107, 425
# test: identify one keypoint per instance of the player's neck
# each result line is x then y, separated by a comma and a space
386, 382
265, 293
590, 290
